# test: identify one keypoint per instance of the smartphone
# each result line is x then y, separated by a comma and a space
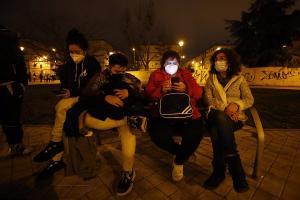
58, 92
175, 79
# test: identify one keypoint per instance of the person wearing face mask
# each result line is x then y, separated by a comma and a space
161, 129
74, 75
112, 93
228, 95
113, 96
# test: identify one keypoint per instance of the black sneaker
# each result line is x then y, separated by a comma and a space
126, 183
49, 151
138, 123
51, 168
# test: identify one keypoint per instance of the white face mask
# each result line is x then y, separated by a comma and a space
77, 58
171, 69
221, 65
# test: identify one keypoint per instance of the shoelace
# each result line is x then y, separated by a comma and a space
125, 177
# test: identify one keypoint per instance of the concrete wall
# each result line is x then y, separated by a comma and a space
272, 76
262, 76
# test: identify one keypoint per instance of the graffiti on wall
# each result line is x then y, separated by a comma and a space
201, 75
277, 75
250, 77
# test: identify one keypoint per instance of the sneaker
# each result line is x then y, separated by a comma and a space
126, 183
177, 173
51, 168
19, 149
49, 151
138, 123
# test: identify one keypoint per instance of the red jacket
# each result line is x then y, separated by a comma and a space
154, 88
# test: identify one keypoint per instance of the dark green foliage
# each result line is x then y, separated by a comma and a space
265, 31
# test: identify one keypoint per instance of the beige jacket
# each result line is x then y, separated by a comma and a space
236, 91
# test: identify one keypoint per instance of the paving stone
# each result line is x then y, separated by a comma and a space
208, 195
280, 168
168, 188
260, 194
154, 194
291, 191
142, 186
273, 184
156, 179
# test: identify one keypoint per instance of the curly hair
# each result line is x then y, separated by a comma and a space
169, 54
75, 37
233, 60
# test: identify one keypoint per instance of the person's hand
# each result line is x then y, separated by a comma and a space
234, 116
122, 94
231, 108
66, 93
114, 100
166, 86
232, 111
179, 87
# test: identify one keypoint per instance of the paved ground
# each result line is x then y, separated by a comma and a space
280, 170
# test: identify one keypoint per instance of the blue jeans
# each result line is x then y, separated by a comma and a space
222, 135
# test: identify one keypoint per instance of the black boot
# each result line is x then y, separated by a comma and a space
237, 172
217, 177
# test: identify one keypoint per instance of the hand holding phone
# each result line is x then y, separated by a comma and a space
175, 79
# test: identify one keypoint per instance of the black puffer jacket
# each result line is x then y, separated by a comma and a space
76, 76
12, 65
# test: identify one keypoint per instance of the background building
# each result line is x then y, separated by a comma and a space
202, 61
43, 61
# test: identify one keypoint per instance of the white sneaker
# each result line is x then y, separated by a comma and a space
177, 173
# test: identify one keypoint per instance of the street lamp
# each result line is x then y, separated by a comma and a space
53, 49
181, 43
22, 48
133, 50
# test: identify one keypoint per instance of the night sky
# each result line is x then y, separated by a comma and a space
199, 23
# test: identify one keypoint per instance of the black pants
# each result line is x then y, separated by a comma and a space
162, 130
10, 114
222, 135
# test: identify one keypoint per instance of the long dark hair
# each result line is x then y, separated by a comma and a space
233, 60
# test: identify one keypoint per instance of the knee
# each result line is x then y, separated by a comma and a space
61, 106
